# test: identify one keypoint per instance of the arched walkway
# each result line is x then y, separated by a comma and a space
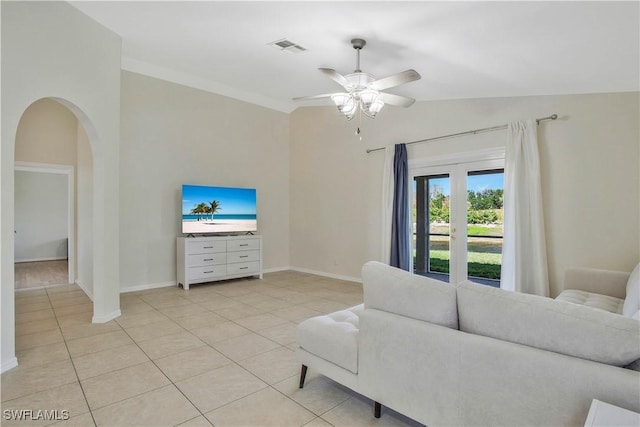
91, 196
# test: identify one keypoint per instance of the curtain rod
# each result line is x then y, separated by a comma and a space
489, 129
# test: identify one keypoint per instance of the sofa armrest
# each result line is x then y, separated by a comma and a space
604, 282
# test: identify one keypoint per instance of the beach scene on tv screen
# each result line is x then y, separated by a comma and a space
218, 209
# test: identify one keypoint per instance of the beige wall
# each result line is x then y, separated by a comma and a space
173, 135
589, 159
47, 134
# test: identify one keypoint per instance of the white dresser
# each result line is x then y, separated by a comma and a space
208, 259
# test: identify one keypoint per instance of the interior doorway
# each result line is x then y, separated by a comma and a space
44, 225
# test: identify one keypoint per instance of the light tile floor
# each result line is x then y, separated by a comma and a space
219, 354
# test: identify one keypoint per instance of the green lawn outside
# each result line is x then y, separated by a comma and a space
480, 264
472, 229
479, 230
484, 254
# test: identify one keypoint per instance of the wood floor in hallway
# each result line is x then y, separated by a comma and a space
41, 273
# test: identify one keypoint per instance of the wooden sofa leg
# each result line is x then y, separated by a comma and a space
377, 408
303, 373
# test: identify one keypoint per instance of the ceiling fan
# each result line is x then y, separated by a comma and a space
363, 91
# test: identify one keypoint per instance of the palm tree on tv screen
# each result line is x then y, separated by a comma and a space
214, 206
199, 210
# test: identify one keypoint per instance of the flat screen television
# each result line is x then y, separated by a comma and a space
224, 210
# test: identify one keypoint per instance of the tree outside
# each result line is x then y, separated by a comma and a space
484, 231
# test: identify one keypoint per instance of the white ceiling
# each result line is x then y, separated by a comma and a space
461, 49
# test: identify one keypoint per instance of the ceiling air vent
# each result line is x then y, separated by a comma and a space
287, 46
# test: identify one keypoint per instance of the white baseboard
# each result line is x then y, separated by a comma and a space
147, 286
84, 288
108, 317
33, 288
266, 271
275, 270
41, 259
9, 364
330, 275
43, 287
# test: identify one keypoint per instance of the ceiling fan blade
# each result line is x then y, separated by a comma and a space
396, 100
307, 98
335, 76
395, 80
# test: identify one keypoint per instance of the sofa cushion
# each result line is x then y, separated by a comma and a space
632, 299
593, 300
548, 324
400, 292
333, 337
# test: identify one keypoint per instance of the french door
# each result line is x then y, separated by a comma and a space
458, 219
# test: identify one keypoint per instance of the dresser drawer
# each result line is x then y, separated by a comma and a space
207, 259
243, 267
207, 272
243, 245
206, 246
243, 256
214, 258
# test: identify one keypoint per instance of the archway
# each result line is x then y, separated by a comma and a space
105, 298
51, 147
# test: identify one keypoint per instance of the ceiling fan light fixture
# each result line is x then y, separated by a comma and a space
368, 97
375, 107
370, 102
364, 93
346, 104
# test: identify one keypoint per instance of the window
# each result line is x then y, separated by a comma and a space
458, 218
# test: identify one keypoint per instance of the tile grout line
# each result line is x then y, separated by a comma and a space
71, 360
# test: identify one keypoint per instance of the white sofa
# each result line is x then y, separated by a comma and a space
476, 355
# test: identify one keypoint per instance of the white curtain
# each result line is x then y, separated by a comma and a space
524, 250
387, 203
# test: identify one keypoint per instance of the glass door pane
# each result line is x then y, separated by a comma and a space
431, 226
485, 199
